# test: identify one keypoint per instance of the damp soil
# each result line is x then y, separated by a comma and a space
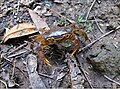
103, 58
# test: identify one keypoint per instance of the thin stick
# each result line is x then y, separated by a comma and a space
89, 45
21, 46
44, 75
83, 72
98, 25
114, 35
17, 54
111, 80
84, 21
15, 66
90, 9
115, 32
71, 21
3, 83
18, 8
74, 70
21, 72
13, 70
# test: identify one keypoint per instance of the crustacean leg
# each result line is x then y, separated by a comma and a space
43, 44
43, 58
76, 44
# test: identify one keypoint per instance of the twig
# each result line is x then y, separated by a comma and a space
89, 45
13, 70
22, 72
21, 46
3, 56
90, 9
44, 75
114, 35
17, 54
111, 80
71, 21
117, 27
115, 45
10, 62
18, 7
98, 25
83, 21
3, 83
83, 72
77, 79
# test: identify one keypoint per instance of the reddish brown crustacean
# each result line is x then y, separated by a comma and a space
59, 36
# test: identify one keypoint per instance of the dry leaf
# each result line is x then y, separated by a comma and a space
19, 31
35, 80
40, 23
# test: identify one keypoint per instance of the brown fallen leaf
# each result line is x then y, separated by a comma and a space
19, 30
40, 23
35, 80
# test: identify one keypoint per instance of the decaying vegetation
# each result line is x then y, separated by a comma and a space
60, 44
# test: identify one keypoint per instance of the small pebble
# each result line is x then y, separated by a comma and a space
27, 2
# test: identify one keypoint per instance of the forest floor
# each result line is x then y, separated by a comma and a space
98, 67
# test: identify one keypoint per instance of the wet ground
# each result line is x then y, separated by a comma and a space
103, 58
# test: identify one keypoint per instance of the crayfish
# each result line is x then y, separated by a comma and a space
62, 37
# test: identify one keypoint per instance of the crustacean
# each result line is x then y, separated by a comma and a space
69, 36
57, 36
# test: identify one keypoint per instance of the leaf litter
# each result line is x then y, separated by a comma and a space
19, 30
57, 48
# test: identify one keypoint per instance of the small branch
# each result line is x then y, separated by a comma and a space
92, 43
21, 72
13, 70
17, 54
10, 62
71, 21
118, 28
111, 80
83, 71
84, 21
18, 8
98, 25
77, 79
72, 61
3, 83
16, 49
114, 35
44, 75
90, 9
